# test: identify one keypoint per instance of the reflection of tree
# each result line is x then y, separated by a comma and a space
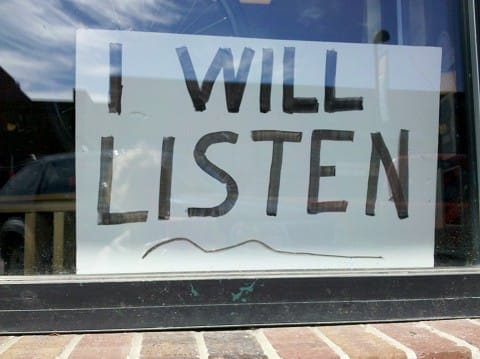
30, 129
15, 106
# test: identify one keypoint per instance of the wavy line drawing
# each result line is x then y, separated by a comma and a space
263, 244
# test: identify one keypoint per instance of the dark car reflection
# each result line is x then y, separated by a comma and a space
38, 183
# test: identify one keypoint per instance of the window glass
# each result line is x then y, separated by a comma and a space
210, 135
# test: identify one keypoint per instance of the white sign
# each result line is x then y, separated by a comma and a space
201, 153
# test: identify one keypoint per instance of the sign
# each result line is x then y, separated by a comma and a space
201, 153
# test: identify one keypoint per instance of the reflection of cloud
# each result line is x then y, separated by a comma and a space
38, 50
311, 14
128, 164
125, 15
117, 245
40, 79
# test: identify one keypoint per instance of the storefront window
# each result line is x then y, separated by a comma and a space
202, 135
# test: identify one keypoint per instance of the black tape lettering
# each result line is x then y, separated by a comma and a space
115, 84
292, 104
234, 83
332, 103
166, 178
105, 190
278, 138
398, 181
317, 171
199, 95
217, 173
266, 84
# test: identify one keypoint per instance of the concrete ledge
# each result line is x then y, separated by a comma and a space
432, 339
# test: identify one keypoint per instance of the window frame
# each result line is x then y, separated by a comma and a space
152, 302
74, 303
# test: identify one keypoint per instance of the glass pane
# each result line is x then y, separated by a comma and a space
210, 135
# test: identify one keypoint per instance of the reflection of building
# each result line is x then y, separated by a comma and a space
15, 106
11, 96
29, 128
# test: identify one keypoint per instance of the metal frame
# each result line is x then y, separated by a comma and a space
236, 299
473, 8
232, 300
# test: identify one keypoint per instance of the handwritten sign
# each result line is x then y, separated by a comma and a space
201, 153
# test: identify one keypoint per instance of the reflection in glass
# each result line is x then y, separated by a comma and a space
37, 108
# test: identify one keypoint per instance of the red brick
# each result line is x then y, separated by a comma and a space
424, 343
105, 346
298, 343
461, 329
357, 343
38, 347
233, 345
169, 345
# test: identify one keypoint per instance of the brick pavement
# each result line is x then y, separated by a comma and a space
445, 339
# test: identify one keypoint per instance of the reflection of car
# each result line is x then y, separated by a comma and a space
38, 179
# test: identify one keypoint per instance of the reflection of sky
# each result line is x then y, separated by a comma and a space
39, 50
37, 38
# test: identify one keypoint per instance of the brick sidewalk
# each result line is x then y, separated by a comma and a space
447, 339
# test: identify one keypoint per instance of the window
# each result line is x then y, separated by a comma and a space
298, 156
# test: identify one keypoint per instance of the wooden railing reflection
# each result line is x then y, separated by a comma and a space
37, 228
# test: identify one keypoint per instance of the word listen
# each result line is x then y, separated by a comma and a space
234, 88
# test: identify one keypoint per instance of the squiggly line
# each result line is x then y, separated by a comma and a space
216, 250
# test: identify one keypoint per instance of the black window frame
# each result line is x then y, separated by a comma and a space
150, 302
74, 303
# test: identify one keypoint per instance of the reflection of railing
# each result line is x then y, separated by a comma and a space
31, 207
